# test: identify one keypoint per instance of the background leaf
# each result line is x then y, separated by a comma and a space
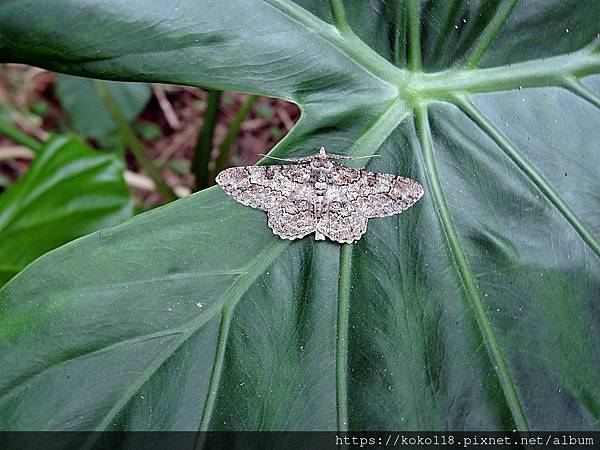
69, 190
475, 310
79, 98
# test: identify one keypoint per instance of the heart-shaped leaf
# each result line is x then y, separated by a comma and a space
475, 309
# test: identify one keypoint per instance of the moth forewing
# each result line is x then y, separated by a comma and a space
317, 195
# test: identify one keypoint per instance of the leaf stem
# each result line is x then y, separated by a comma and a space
19, 137
232, 133
201, 158
134, 144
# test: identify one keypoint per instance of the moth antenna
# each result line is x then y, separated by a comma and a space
278, 159
334, 156
364, 157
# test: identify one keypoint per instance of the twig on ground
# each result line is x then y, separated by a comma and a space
179, 140
143, 183
285, 118
166, 107
15, 152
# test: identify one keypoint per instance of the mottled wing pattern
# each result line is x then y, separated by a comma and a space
341, 221
294, 210
282, 191
294, 218
376, 194
263, 187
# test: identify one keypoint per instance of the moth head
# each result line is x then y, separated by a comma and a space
321, 160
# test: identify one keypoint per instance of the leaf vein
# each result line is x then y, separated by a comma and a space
454, 246
514, 155
489, 34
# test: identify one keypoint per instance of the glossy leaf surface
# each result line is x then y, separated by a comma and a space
69, 190
475, 309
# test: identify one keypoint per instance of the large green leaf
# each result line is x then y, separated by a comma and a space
79, 98
69, 190
475, 309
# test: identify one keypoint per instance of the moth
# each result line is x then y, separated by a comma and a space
316, 194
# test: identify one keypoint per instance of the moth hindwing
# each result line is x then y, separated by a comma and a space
317, 195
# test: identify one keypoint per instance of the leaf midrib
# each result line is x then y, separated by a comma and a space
341, 350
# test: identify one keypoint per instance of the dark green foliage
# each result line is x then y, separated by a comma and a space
70, 190
475, 309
